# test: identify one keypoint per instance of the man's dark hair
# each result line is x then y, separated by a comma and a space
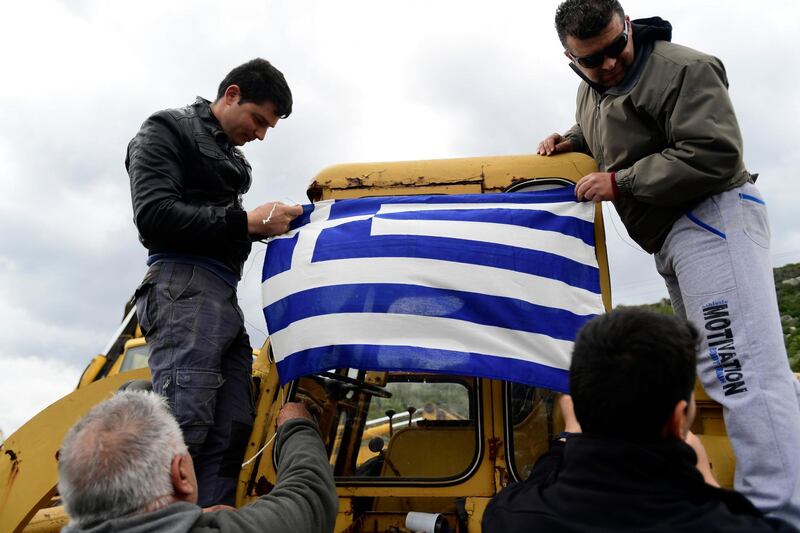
629, 369
584, 19
260, 82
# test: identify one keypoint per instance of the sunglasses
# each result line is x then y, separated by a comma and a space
613, 50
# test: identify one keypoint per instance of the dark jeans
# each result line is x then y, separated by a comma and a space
201, 362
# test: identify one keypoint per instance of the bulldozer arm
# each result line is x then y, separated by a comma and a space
29, 465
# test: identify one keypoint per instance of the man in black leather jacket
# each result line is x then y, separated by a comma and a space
187, 181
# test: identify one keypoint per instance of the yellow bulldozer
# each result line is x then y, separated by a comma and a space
398, 441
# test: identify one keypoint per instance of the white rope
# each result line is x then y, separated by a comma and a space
265, 221
272, 438
259, 452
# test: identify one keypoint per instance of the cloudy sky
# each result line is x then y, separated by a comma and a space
372, 81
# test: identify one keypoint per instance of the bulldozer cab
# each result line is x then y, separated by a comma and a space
397, 441
403, 441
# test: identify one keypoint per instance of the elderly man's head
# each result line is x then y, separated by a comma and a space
126, 455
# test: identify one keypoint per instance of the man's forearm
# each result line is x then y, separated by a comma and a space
575, 136
303, 500
305, 493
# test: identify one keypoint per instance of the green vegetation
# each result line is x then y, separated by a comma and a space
787, 286
451, 397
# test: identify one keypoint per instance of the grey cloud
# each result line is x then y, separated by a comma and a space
485, 80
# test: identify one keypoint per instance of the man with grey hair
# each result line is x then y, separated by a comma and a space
124, 467
658, 120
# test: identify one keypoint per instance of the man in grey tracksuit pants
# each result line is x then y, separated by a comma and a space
658, 120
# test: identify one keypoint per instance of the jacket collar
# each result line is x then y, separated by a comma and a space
645, 33
179, 517
203, 109
664, 467
669, 461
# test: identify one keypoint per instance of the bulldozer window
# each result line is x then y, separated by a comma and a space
533, 421
414, 426
135, 357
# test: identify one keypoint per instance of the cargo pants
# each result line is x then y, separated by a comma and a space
716, 265
201, 362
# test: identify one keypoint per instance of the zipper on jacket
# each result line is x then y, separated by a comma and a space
600, 155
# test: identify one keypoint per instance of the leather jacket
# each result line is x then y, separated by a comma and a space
187, 183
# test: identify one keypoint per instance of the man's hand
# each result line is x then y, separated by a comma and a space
272, 218
702, 459
595, 187
571, 424
220, 507
293, 410
554, 144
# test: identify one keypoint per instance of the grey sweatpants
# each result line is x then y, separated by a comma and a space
716, 264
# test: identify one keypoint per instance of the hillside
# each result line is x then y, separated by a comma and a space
787, 285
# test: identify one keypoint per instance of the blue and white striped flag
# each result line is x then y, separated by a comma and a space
493, 285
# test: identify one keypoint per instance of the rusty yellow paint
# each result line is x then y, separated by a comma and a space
344, 517
491, 174
28, 467
48, 520
460, 188
475, 508
264, 427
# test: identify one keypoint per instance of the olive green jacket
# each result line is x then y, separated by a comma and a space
303, 500
668, 130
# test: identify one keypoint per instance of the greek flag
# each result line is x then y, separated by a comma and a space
493, 285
